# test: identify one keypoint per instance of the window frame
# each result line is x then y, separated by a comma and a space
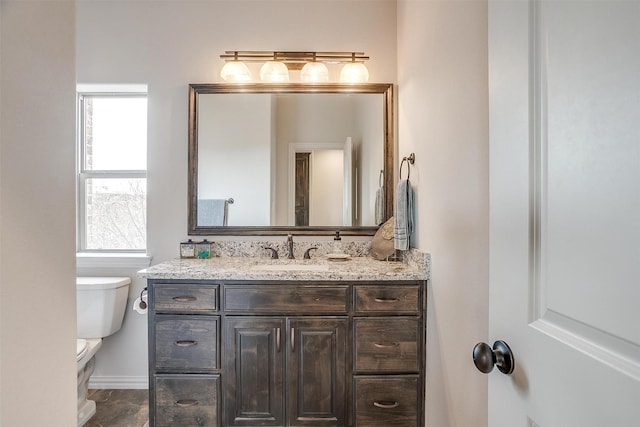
82, 174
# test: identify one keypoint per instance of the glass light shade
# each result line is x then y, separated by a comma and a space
354, 72
235, 71
314, 72
274, 71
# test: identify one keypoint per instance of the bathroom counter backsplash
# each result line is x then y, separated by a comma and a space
255, 249
249, 261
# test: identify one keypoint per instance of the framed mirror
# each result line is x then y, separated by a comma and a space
275, 159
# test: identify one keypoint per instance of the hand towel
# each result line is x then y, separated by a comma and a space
379, 213
403, 215
212, 212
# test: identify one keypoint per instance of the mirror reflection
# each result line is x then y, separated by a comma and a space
267, 159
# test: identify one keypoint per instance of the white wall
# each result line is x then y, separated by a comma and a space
169, 44
37, 218
443, 118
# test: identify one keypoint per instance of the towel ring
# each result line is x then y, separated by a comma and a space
381, 178
410, 160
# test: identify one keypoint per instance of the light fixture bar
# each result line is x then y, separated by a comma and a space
277, 65
292, 56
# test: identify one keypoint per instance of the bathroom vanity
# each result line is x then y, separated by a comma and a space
239, 341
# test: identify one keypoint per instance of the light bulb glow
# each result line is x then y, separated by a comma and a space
235, 71
314, 72
354, 72
274, 72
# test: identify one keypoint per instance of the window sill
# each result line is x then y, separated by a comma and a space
112, 260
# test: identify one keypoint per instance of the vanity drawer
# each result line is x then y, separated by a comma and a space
386, 401
185, 298
187, 400
286, 299
387, 344
186, 342
387, 299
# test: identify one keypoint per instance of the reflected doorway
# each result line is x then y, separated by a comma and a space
302, 189
321, 184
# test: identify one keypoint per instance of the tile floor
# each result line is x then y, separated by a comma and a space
119, 408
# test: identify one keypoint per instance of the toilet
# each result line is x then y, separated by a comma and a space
101, 303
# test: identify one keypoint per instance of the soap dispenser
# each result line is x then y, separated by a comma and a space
337, 243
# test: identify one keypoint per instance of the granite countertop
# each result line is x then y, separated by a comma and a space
262, 268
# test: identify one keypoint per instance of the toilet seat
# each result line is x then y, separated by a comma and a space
81, 348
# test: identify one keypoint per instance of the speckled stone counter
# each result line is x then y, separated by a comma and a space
415, 266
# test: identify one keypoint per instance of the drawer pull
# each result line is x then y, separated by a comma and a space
186, 343
185, 298
386, 300
386, 404
381, 345
185, 403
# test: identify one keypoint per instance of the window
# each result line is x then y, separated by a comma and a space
112, 172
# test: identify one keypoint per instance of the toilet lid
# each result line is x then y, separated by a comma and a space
81, 348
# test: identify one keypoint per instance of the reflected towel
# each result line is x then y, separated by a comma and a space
212, 212
379, 214
403, 215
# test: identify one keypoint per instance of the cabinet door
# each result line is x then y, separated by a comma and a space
317, 371
254, 371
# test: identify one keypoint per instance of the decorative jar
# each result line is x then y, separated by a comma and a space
203, 249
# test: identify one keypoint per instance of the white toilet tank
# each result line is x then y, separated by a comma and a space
101, 302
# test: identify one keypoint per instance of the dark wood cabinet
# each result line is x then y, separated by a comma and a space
277, 363
186, 400
186, 343
294, 354
316, 374
387, 401
254, 371
387, 344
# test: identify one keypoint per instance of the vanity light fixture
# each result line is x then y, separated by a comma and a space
277, 64
314, 72
274, 71
235, 71
354, 72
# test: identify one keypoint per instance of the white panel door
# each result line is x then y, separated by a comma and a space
565, 211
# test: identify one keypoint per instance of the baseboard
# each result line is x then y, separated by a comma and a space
103, 382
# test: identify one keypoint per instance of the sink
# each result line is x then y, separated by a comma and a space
290, 267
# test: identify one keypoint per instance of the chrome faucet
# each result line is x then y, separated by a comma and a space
290, 247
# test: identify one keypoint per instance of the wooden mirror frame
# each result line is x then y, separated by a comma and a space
385, 89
